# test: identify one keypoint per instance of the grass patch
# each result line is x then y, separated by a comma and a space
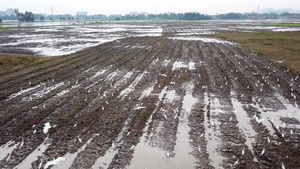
285, 24
278, 46
3, 28
12, 63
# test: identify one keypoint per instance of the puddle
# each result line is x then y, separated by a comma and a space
26, 163
23, 91
62, 92
103, 161
188, 102
244, 123
69, 158
144, 153
98, 73
192, 65
206, 40
211, 133
111, 76
275, 116
286, 30
7, 149
43, 92
50, 41
166, 62
183, 151
147, 156
124, 79
171, 96
153, 63
147, 92
179, 65
195, 33
54, 162
131, 87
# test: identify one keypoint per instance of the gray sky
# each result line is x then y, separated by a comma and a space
151, 6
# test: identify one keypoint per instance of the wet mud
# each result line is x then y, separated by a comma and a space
152, 102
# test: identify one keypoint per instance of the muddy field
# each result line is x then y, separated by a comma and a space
171, 101
61, 38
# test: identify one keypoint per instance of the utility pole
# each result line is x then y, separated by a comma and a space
51, 13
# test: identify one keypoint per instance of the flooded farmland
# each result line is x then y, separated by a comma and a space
147, 95
61, 38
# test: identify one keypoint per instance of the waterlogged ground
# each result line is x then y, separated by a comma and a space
172, 101
61, 38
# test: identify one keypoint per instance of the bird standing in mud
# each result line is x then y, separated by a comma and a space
282, 166
199, 149
262, 152
165, 116
236, 162
168, 154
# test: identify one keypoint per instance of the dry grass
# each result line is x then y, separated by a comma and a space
279, 46
11, 63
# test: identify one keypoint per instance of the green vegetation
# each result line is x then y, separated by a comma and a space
278, 46
195, 16
27, 16
231, 16
1, 28
6, 27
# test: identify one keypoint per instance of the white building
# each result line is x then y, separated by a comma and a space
11, 11
82, 13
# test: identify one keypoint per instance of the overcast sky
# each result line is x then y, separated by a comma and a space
151, 6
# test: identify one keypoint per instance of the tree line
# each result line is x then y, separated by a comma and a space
166, 16
29, 16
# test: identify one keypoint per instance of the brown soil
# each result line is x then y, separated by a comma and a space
88, 106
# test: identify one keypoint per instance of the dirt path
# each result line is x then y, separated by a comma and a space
148, 102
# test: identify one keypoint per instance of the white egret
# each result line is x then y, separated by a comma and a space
282, 166
262, 152
167, 154
236, 162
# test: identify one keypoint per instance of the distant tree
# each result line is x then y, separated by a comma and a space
231, 16
117, 18
286, 14
42, 18
0, 20
27, 17
195, 16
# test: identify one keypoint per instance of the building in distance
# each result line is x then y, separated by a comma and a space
11, 11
